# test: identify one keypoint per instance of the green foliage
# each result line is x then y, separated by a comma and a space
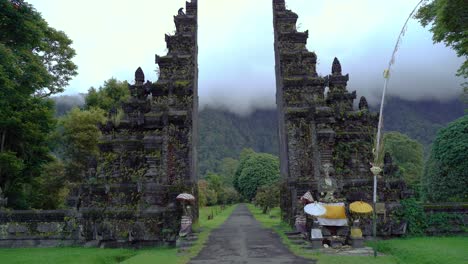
421, 223
449, 24
65, 255
446, 174
214, 182
80, 136
223, 134
444, 223
420, 120
35, 62
268, 196
202, 189
34, 58
211, 197
110, 95
407, 154
424, 250
25, 125
244, 156
11, 165
213, 191
255, 170
216, 187
206, 196
227, 169
413, 213
49, 191
231, 196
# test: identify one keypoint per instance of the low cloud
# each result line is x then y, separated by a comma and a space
236, 55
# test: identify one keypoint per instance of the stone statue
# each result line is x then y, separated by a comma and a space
301, 220
186, 221
328, 186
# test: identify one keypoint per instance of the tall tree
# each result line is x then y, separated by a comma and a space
446, 174
35, 62
449, 24
109, 96
39, 55
245, 155
80, 136
257, 170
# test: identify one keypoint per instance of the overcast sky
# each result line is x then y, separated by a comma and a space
236, 56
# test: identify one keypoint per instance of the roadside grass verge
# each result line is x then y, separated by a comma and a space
79, 255
205, 226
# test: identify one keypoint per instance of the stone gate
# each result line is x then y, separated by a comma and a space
149, 149
148, 156
320, 132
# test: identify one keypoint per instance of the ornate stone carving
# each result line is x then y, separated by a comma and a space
336, 67
363, 104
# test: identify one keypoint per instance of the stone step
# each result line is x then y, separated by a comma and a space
295, 238
183, 244
298, 242
190, 238
183, 249
291, 233
308, 246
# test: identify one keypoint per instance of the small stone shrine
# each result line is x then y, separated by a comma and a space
325, 144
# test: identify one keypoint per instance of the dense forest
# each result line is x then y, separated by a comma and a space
420, 120
224, 134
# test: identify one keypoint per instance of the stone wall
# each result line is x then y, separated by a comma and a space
458, 224
33, 228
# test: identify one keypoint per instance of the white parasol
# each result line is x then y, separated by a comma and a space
315, 209
185, 197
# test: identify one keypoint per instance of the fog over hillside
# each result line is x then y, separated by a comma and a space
236, 55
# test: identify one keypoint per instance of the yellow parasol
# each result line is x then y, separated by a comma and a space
360, 207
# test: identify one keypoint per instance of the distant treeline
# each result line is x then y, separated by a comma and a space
224, 134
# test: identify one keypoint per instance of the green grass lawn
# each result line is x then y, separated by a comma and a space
70, 255
423, 250
63, 255
427, 250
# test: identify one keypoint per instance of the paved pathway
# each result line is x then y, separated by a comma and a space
242, 240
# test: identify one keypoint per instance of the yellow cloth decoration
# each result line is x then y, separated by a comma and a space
334, 212
356, 232
360, 207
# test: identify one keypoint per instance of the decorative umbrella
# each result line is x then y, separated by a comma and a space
307, 197
315, 209
360, 207
185, 197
